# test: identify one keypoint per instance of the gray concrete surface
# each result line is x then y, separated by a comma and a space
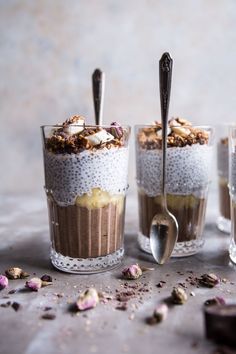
25, 243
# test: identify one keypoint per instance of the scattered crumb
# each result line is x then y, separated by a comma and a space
16, 306
48, 316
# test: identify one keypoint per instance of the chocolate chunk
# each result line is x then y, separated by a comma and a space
48, 316
122, 307
16, 306
220, 324
46, 278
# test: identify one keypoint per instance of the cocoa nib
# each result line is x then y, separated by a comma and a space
48, 316
16, 306
123, 306
161, 284
46, 278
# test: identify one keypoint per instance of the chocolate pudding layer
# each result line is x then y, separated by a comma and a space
79, 231
224, 198
188, 210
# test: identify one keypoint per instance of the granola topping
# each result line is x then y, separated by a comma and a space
73, 136
180, 133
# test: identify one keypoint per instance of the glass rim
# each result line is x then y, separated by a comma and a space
84, 125
209, 127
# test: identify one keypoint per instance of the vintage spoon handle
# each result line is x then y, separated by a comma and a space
98, 80
165, 74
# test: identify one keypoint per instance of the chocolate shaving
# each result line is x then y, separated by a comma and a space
122, 307
48, 316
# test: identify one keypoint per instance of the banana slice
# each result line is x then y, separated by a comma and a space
75, 126
100, 137
183, 132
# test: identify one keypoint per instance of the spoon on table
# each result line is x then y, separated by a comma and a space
164, 227
98, 80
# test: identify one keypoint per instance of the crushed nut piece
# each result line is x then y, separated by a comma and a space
16, 273
179, 296
209, 280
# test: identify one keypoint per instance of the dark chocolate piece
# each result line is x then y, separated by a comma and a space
220, 324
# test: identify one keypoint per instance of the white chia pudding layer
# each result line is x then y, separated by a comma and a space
70, 175
187, 169
223, 160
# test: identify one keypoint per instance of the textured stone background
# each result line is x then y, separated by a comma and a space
49, 49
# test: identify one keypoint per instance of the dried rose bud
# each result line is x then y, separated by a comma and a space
34, 284
16, 273
46, 278
217, 300
209, 280
179, 296
160, 313
116, 130
3, 282
88, 299
132, 272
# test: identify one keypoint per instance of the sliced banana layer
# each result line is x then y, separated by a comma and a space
100, 199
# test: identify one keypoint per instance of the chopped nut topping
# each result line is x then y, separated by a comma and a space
70, 138
180, 133
224, 141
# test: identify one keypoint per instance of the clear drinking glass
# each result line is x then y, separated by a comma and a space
187, 181
86, 194
223, 221
232, 189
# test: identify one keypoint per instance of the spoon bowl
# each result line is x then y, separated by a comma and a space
164, 227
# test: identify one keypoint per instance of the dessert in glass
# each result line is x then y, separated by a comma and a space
188, 161
86, 170
232, 189
223, 221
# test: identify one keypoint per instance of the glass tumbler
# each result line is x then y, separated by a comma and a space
187, 181
232, 189
86, 194
223, 221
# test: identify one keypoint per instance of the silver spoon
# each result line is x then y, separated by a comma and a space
164, 227
98, 80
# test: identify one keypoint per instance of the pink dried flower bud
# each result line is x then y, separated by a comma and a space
34, 284
217, 300
116, 130
3, 282
88, 299
160, 313
132, 272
